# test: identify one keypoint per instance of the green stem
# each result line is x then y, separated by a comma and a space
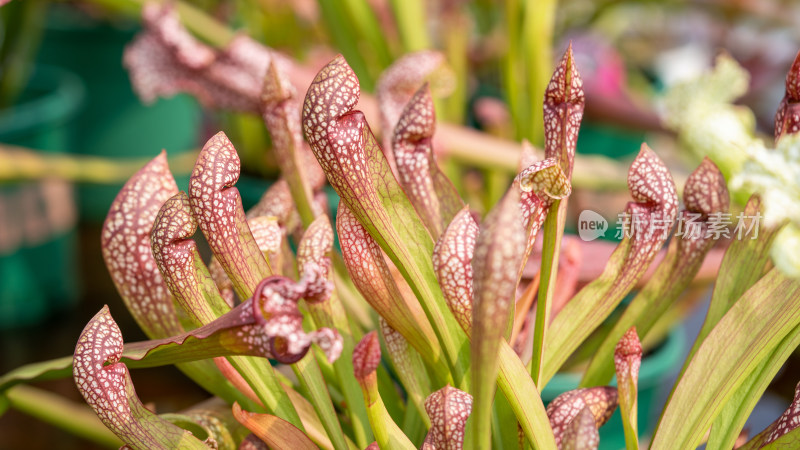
312, 381
514, 70
537, 40
387, 433
551, 248
78, 419
412, 24
267, 387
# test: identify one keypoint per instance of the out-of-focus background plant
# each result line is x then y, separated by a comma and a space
692, 78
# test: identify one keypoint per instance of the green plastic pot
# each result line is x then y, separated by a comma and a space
114, 123
38, 248
656, 371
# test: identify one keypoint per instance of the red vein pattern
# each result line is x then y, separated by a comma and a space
166, 59
371, 275
498, 253
217, 206
428, 188
449, 409
452, 262
563, 111
125, 241
787, 119
601, 402
107, 388
177, 257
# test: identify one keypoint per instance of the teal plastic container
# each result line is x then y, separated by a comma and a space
656, 370
114, 123
38, 248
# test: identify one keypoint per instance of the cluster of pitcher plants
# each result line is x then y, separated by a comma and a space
405, 334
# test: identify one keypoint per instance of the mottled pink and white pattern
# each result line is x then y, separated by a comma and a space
581, 433
165, 59
448, 409
563, 111
428, 188
601, 402
217, 207
107, 388
787, 119
452, 262
125, 240
366, 356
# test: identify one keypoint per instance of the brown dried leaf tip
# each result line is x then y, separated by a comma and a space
125, 241
628, 357
166, 59
563, 111
449, 409
601, 401
787, 119
452, 262
366, 356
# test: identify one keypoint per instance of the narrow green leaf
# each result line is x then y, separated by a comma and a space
366, 358
498, 253
728, 425
453, 261
273, 430
742, 266
357, 169
748, 333
649, 220
38, 371
409, 368
327, 311
627, 360
106, 386
706, 198
370, 273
